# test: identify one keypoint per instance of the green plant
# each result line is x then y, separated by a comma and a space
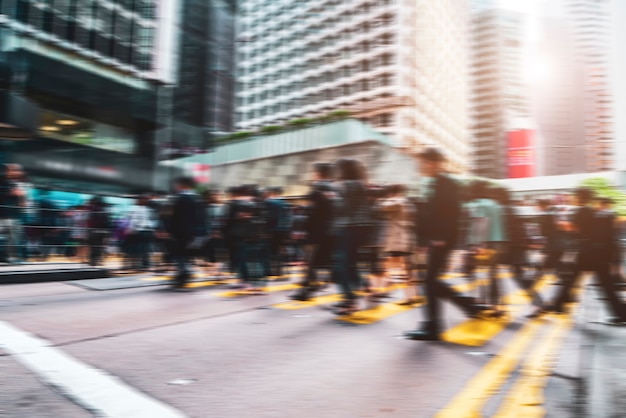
270, 129
335, 115
235, 136
300, 122
604, 188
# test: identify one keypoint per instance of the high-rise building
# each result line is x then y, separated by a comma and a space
574, 108
499, 96
400, 65
203, 98
88, 70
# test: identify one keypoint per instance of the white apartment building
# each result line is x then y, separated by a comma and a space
499, 95
591, 26
574, 104
400, 65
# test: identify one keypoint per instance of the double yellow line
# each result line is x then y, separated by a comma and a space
525, 397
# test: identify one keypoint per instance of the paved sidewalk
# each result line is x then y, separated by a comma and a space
24, 396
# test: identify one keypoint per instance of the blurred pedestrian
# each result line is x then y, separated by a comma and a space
318, 228
353, 221
99, 228
595, 235
399, 240
279, 223
140, 232
79, 232
12, 201
439, 224
187, 224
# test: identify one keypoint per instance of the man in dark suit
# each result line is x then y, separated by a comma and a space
185, 226
438, 229
595, 236
318, 228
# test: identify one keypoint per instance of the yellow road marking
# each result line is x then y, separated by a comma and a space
209, 283
386, 310
525, 398
378, 313
472, 398
477, 332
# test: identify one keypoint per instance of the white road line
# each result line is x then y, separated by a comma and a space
93, 389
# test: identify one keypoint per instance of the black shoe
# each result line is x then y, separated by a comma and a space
421, 335
301, 296
616, 321
554, 310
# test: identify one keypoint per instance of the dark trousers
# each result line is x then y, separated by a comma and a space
318, 255
595, 261
516, 258
345, 263
182, 258
276, 246
436, 289
96, 246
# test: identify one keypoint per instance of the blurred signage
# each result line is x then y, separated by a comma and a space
201, 173
521, 155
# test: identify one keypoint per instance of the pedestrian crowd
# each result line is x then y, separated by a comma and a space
345, 227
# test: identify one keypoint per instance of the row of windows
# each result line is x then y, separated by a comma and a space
385, 80
273, 22
325, 77
312, 99
91, 25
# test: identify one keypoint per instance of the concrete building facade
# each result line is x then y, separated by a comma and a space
399, 65
500, 99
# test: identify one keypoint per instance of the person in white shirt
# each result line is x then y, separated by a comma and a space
140, 232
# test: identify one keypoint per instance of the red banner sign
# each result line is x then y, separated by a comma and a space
521, 153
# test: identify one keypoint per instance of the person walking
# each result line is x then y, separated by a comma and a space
99, 227
318, 228
141, 227
438, 227
186, 224
12, 201
353, 222
279, 224
399, 241
515, 249
595, 234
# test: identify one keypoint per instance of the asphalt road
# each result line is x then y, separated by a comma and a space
210, 353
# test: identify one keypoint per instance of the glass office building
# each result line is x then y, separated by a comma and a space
87, 69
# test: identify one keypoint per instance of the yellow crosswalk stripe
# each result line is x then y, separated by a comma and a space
477, 332
386, 310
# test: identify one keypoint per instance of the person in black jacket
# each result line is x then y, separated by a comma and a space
516, 247
186, 224
318, 228
438, 229
595, 235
